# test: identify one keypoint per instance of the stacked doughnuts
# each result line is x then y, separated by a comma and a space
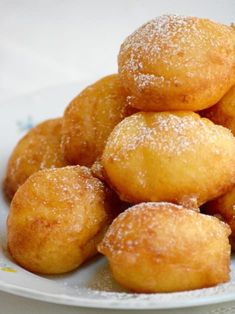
155, 138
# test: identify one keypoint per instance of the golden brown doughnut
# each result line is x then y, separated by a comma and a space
177, 157
223, 207
40, 148
97, 170
90, 117
177, 63
56, 219
223, 112
162, 247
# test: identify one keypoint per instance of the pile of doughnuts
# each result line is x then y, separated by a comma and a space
141, 167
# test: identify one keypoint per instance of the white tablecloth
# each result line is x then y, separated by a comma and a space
52, 42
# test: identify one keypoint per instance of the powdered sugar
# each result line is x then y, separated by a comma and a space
69, 185
166, 45
155, 223
166, 133
155, 39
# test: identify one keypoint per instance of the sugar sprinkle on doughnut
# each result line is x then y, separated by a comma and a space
157, 40
169, 124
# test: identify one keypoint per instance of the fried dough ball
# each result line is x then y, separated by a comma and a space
178, 63
40, 148
90, 118
223, 207
97, 170
177, 157
162, 247
57, 218
224, 111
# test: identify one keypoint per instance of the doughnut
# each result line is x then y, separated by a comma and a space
57, 218
40, 148
223, 208
90, 118
177, 157
163, 247
97, 170
177, 63
223, 112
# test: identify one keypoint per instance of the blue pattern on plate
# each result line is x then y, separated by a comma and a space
25, 125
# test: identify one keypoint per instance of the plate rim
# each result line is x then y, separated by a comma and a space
128, 304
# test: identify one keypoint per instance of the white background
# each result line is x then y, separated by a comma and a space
53, 42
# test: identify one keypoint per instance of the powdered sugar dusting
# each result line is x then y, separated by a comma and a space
165, 43
71, 198
166, 133
103, 281
71, 186
97, 170
153, 40
152, 220
129, 300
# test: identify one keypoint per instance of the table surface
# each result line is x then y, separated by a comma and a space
48, 43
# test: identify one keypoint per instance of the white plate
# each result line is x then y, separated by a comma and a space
91, 285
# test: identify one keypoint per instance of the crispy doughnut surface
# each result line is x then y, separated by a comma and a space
223, 112
223, 207
177, 63
162, 247
90, 118
171, 156
40, 148
97, 170
56, 219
